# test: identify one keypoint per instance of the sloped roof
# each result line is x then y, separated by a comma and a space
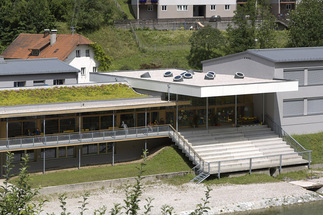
280, 55
34, 66
289, 54
21, 47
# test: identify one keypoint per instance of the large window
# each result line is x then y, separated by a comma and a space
295, 75
315, 106
315, 76
39, 83
293, 108
182, 7
59, 82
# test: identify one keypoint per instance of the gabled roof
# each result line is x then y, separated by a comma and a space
34, 66
281, 55
22, 46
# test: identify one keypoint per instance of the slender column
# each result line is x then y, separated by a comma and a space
7, 127
134, 118
80, 123
44, 129
145, 148
176, 112
207, 113
145, 117
79, 157
1, 165
263, 108
113, 120
168, 92
113, 154
235, 110
44, 160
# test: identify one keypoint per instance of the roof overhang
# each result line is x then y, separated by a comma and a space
222, 85
85, 106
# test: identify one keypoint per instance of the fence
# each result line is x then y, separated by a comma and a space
85, 137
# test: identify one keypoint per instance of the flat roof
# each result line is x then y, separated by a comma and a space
85, 106
198, 86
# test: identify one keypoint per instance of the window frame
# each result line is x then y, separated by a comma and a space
83, 70
163, 7
77, 53
39, 82
58, 81
150, 8
226, 7
95, 69
182, 7
213, 7
87, 53
18, 83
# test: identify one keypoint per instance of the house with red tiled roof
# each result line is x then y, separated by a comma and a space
73, 49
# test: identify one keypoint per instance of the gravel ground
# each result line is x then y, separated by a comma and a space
224, 198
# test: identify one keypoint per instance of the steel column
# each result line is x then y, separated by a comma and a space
145, 148
176, 112
263, 108
44, 129
113, 120
235, 110
113, 154
44, 160
79, 157
207, 113
80, 123
7, 127
145, 117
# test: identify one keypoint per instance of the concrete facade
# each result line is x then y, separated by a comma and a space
308, 116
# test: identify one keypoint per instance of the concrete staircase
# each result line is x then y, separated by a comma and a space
234, 148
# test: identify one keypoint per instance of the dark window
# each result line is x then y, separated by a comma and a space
83, 71
78, 53
35, 52
19, 84
95, 69
39, 83
59, 82
87, 53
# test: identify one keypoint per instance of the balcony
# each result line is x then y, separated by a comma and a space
83, 138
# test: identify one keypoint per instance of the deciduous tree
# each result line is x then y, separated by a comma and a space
206, 43
306, 24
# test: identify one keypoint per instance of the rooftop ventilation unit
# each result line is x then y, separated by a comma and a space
239, 75
209, 75
145, 75
183, 73
188, 75
178, 78
168, 74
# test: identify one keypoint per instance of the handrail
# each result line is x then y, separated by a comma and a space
187, 144
284, 133
83, 137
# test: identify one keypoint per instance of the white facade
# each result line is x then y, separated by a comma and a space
82, 58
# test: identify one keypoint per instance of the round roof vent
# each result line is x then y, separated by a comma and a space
178, 78
239, 75
210, 75
168, 74
188, 75
183, 73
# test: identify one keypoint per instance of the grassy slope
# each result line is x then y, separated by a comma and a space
166, 161
125, 7
312, 142
65, 94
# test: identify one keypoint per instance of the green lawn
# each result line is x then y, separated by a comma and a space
125, 7
66, 94
312, 142
166, 161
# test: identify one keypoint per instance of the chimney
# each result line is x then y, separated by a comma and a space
53, 37
46, 32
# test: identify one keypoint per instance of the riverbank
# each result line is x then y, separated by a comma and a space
184, 198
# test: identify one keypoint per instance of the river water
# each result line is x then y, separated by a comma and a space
312, 208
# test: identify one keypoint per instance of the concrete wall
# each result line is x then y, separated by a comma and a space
8, 81
251, 66
82, 61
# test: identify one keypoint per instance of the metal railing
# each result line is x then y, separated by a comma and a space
84, 137
306, 154
187, 149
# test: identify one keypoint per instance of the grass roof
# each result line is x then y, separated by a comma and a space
66, 94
